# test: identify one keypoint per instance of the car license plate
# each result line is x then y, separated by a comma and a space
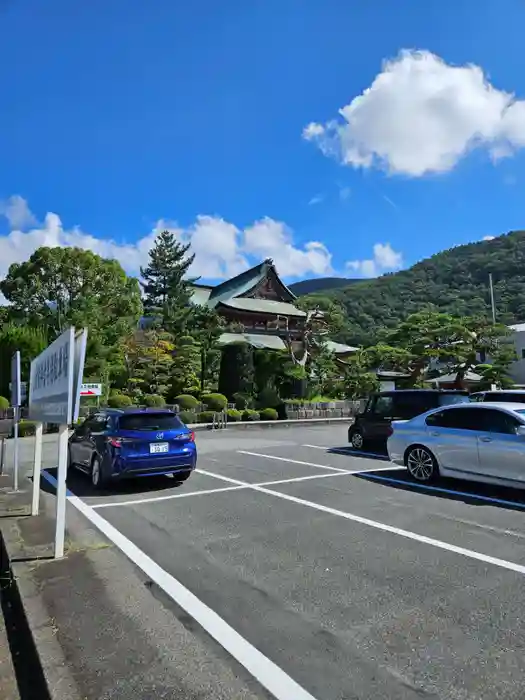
156, 447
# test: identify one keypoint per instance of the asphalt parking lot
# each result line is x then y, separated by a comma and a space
329, 575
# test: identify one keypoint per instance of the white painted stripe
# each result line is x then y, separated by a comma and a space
138, 501
350, 451
471, 554
171, 497
293, 461
269, 675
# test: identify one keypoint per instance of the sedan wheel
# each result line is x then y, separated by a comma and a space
96, 474
421, 464
357, 440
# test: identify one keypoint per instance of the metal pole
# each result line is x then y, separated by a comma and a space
2, 456
63, 433
15, 479
37, 467
492, 299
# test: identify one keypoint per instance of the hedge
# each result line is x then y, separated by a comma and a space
249, 414
214, 402
26, 428
186, 402
4, 403
242, 401
153, 400
187, 417
119, 401
205, 417
269, 414
233, 414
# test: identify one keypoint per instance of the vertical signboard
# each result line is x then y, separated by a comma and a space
78, 373
16, 380
51, 382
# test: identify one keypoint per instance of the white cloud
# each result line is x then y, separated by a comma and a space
221, 249
421, 115
344, 193
489, 238
385, 259
17, 213
317, 199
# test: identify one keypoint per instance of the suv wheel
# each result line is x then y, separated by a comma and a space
97, 476
357, 440
421, 464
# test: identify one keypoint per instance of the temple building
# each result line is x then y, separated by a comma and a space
262, 307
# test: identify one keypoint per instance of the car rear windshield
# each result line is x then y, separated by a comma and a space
449, 399
150, 421
502, 396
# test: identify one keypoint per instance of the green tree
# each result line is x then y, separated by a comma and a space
237, 373
167, 291
206, 329
185, 369
31, 341
149, 358
59, 287
360, 377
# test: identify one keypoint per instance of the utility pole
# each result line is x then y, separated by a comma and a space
492, 299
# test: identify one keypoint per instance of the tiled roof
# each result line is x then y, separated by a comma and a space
265, 306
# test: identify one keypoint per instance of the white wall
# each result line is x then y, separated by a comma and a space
517, 369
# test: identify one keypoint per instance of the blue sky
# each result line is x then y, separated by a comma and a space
121, 117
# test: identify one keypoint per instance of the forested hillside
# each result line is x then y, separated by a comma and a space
456, 281
319, 284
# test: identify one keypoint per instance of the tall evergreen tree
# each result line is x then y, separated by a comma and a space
167, 290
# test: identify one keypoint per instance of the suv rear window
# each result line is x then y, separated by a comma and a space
512, 397
149, 421
449, 399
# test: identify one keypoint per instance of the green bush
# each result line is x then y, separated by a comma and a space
268, 398
214, 402
153, 400
4, 403
187, 417
249, 414
205, 417
186, 402
242, 401
119, 401
269, 414
26, 428
233, 414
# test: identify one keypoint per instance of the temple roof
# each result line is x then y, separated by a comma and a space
265, 306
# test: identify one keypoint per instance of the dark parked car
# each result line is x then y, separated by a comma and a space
508, 396
116, 444
374, 423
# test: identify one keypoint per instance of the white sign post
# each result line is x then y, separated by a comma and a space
56, 375
16, 400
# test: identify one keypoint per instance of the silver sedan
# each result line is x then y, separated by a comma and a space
476, 441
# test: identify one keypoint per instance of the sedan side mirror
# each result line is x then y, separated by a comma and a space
520, 430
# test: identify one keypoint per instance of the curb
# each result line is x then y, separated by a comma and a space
40, 668
257, 424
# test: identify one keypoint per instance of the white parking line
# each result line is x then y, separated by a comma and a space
471, 554
154, 499
313, 464
269, 675
174, 496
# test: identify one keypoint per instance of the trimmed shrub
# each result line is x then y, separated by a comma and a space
268, 398
233, 414
119, 401
242, 401
153, 400
4, 403
186, 402
249, 414
214, 402
269, 414
205, 417
26, 428
188, 417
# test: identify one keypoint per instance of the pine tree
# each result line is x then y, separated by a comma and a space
167, 290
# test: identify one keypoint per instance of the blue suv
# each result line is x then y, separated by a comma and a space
117, 444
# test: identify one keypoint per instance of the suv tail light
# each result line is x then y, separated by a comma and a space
192, 436
115, 442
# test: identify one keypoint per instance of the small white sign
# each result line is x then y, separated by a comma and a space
91, 390
78, 371
51, 382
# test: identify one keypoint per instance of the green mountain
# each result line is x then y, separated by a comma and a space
456, 281
319, 284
